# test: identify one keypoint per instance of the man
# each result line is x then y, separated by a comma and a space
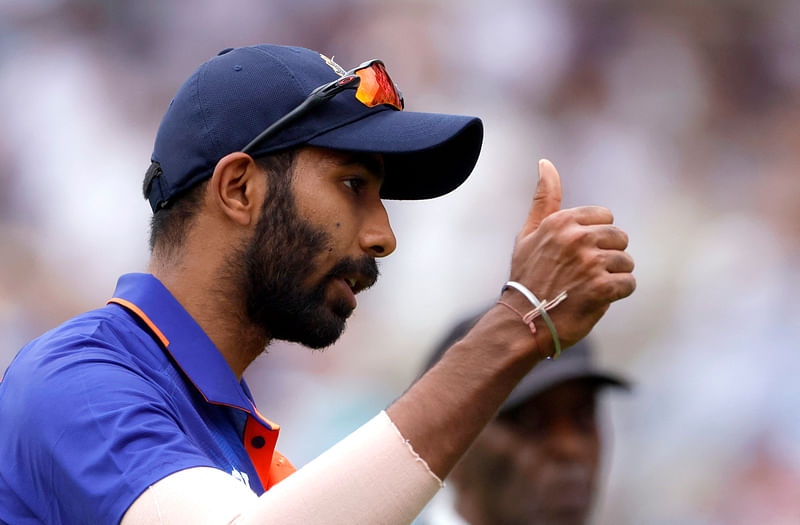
266, 184
536, 462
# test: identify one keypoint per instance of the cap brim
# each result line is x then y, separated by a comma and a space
551, 373
425, 154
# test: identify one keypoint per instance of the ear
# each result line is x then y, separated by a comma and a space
238, 187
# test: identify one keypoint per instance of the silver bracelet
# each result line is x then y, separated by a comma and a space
541, 308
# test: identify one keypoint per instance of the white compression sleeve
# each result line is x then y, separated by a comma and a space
372, 476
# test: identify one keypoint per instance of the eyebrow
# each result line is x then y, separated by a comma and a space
371, 163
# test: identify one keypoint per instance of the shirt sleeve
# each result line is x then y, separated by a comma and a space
97, 434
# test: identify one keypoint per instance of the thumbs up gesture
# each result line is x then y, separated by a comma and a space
576, 250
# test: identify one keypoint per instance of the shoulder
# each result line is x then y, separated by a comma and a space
104, 336
91, 359
87, 406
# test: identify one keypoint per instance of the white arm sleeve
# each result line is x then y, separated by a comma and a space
372, 476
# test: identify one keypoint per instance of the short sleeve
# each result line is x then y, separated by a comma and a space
97, 433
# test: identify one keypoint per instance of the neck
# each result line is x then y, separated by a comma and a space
198, 283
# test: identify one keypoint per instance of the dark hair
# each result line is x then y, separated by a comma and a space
170, 224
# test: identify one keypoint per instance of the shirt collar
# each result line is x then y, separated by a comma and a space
195, 354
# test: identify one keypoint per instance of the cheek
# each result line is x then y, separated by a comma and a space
339, 245
340, 224
342, 230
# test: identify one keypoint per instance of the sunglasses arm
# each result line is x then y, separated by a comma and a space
317, 97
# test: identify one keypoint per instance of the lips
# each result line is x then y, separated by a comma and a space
347, 286
358, 283
352, 276
343, 288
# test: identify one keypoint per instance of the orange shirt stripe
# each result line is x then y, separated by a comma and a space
135, 309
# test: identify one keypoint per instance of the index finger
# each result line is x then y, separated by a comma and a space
589, 215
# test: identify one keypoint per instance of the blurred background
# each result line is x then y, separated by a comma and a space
682, 117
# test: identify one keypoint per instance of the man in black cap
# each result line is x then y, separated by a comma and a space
536, 462
266, 185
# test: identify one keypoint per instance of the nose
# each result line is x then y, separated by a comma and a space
570, 443
377, 237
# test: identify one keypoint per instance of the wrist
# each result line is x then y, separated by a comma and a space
516, 335
537, 309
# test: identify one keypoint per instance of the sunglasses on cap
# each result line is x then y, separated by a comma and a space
372, 86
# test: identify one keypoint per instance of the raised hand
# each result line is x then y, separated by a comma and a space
578, 250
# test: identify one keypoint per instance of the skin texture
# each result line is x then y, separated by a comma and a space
345, 230
283, 251
536, 464
578, 250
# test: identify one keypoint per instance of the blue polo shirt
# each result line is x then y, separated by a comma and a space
95, 411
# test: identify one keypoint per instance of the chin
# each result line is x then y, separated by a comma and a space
320, 342
322, 333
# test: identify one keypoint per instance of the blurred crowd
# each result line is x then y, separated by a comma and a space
683, 117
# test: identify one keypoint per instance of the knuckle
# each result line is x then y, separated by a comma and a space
558, 219
624, 287
615, 231
578, 236
617, 261
604, 214
623, 236
631, 284
593, 258
631, 263
548, 222
605, 290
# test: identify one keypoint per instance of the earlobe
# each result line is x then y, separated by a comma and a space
238, 188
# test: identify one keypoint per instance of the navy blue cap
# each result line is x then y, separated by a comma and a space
234, 96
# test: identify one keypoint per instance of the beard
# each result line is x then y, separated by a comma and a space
276, 263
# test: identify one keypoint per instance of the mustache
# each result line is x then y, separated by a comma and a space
365, 267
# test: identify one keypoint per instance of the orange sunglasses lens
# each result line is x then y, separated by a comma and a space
376, 87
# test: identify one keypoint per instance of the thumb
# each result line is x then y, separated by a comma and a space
547, 199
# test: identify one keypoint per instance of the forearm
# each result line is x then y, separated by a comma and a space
443, 412
372, 476
388, 470
374, 470
381, 473
578, 251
